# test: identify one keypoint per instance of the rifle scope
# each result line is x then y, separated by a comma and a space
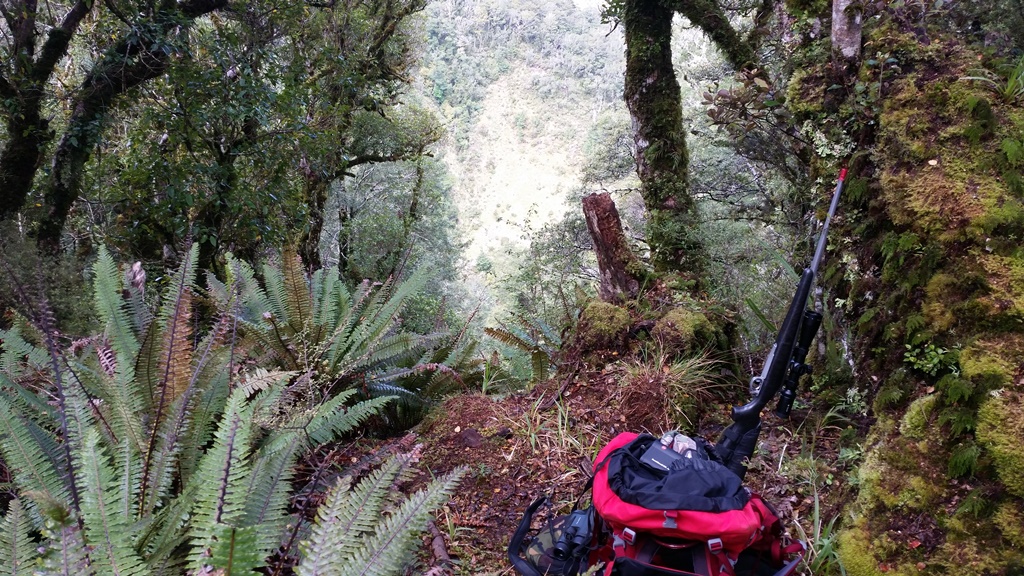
797, 368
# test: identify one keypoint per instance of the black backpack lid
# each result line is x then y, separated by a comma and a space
696, 484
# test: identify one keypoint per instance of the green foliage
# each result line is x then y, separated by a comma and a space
316, 324
930, 359
358, 532
153, 460
17, 549
963, 460
1007, 83
533, 337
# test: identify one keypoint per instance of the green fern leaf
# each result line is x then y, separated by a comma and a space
260, 379
30, 455
298, 299
118, 327
235, 551
18, 355
347, 516
508, 338
333, 419
106, 527
276, 294
387, 547
268, 495
221, 479
326, 299
17, 548
66, 553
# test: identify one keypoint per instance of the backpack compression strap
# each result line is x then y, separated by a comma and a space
515, 546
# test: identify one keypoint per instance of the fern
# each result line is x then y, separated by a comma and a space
107, 287
963, 460
17, 548
221, 479
106, 526
24, 448
352, 537
67, 554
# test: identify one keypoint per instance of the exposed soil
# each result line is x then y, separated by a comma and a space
520, 447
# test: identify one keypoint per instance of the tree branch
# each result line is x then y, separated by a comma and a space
711, 19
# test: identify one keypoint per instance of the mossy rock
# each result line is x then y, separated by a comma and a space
1001, 433
981, 366
682, 331
603, 326
1009, 517
916, 422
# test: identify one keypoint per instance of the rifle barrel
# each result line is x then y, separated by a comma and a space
819, 251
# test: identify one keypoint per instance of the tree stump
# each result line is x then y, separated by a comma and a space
614, 258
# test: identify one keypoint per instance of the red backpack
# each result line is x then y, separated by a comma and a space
693, 518
696, 519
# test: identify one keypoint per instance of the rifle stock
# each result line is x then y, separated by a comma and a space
784, 365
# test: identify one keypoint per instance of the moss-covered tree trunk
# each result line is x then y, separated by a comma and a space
653, 98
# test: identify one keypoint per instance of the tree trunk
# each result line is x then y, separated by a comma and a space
713, 21
135, 60
614, 258
28, 133
653, 98
316, 190
846, 31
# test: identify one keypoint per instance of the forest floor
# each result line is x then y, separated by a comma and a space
522, 446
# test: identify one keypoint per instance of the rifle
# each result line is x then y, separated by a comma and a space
783, 367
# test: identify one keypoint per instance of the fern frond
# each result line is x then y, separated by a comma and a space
277, 294
346, 516
118, 327
386, 313
510, 339
382, 351
235, 551
222, 478
260, 379
335, 547
326, 300
175, 364
332, 419
298, 300
268, 494
107, 529
17, 548
30, 455
195, 415
66, 554
18, 356
395, 538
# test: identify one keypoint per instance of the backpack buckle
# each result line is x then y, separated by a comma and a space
716, 545
629, 536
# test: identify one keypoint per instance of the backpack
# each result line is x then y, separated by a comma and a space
691, 518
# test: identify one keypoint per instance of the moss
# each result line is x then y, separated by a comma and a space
1001, 433
855, 552
939, 316
603, 326
915, 423
805, 95
979, 365
681, 331
1010, 520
